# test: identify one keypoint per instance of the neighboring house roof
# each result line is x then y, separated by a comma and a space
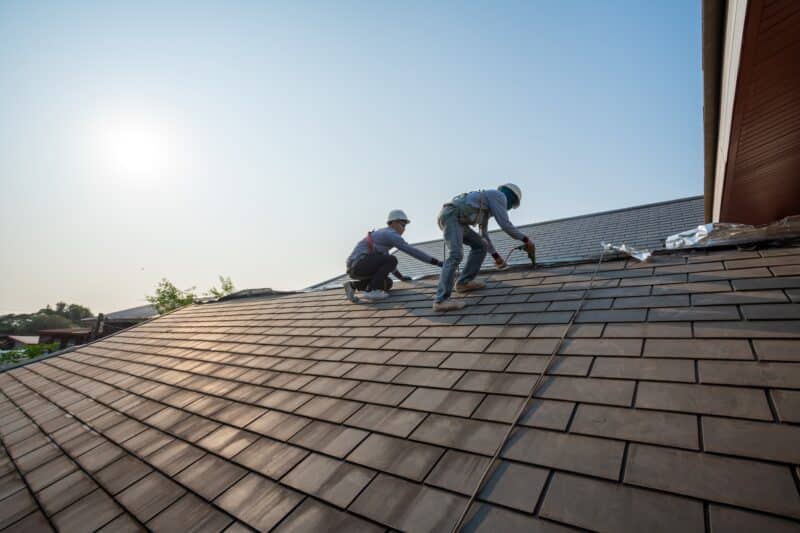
24, 339
252, 293
644, 226
142, 312
673, 406
64, 331
133, 314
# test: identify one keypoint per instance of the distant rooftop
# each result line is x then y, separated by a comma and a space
142, 312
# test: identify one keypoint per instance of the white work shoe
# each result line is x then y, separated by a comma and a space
350, 291
374, 296
448, 305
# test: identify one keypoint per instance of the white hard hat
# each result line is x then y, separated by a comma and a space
397, 214
516, 190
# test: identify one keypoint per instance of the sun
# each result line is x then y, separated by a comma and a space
132, 146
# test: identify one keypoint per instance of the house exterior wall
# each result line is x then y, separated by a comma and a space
762, 175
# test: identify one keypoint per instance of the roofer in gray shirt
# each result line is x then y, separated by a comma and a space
370, 262
474, 209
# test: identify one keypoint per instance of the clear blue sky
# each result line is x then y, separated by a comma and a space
261, 140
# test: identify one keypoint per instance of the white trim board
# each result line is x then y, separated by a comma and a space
734, 33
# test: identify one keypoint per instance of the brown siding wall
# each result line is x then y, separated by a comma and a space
762, 181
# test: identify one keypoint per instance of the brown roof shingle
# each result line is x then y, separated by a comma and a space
672, 404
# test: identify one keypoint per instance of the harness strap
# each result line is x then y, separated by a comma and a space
370, 243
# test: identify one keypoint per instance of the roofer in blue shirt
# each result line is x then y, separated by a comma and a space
370, 262
474, 209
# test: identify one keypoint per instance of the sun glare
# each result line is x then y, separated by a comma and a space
133, 147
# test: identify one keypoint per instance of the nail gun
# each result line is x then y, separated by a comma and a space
531, 253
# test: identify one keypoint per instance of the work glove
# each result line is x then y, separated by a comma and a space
436, 262
530, 247
498, 262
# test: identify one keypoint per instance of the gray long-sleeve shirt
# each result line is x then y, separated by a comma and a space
384, 240
497, 204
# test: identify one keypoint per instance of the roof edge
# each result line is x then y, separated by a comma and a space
75, 347
714, 16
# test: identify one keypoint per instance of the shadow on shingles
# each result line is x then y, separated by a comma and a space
417, 298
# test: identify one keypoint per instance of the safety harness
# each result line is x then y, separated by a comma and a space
467, 214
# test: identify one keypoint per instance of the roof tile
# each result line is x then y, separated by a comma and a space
698, 348
605, 346
399, 422
210, 476
484, 518
329, 438
315, 517
577, 453
122, 473
787, 404
258, 502
514, 485
704, 399
467, 435
731, 519
750, 484
65, 491
408, 506
593, 390
656, 427
150, 495
270, 458
458, 471
190, 513
640, 368
758, 374
89, 513
426, 377
772, 442
443, 401
586, 502
336, 482
397, 456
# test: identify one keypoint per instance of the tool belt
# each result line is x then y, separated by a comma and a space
467, 214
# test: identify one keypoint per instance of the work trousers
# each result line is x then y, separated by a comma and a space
371, 272
455, 236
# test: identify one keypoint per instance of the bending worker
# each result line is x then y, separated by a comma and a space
455, 218
370, 262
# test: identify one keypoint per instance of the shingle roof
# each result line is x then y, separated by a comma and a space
142, 312
644, 226
673, 405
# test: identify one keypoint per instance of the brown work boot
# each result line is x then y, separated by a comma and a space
469, 286
448, 305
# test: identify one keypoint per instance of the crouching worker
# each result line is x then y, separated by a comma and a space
474, 209
370, 263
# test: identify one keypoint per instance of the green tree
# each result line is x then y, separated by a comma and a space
76, 312
42, 321
169, 297
226, 288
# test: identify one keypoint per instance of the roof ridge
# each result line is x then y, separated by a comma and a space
587, 215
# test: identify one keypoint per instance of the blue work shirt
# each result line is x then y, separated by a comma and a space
383, 241
496, 204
